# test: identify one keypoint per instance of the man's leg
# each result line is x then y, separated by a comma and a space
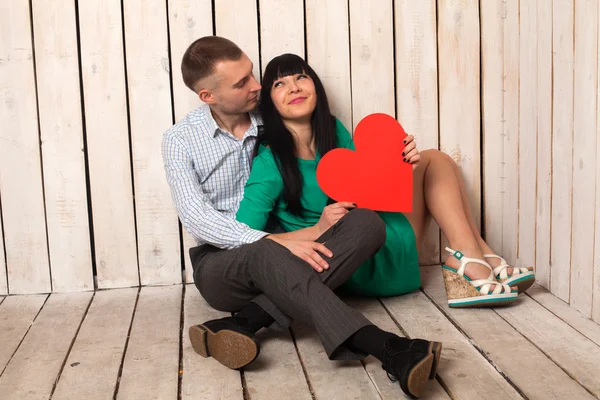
287, 287
293, 288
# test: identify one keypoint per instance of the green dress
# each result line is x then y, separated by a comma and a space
393, 270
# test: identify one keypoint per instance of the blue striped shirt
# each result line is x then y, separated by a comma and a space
207, 169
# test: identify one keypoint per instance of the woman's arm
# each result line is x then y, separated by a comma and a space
261, 193
262, 190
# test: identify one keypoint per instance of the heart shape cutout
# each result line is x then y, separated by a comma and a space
375, 175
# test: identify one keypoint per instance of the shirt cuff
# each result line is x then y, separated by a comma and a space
251, 236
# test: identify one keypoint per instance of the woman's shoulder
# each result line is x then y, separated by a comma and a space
344, 138
263, 152
265, 161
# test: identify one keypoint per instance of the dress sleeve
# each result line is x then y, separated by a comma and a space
261, 193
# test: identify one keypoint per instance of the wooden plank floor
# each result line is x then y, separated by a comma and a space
133, 344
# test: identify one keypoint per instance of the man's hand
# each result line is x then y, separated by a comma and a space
307, 251
332, 214
411, 154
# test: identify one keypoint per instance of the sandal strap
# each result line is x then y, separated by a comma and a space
501, 270
483, 285
464, 260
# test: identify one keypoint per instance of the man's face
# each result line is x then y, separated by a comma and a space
235, 90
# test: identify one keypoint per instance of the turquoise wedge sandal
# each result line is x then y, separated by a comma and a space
463, 291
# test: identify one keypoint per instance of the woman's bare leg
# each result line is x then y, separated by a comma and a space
436, 191
485, 248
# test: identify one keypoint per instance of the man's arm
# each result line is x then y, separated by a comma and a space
197, 215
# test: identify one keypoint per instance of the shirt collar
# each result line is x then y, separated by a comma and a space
255, 122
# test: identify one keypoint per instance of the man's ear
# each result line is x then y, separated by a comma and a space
206, 96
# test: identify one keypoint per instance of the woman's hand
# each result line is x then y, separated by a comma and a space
410, 153
332, 214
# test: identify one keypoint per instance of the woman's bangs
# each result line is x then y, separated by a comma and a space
289, 65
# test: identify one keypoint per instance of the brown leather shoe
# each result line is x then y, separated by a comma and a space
229, 344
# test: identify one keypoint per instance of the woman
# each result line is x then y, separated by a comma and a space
299, 130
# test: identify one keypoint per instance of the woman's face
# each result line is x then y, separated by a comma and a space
294, 96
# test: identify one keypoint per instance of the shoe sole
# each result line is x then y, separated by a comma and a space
232, 349
435, 348
484, 301
419, 375
522, 284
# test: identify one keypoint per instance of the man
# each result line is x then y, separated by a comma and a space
266, 277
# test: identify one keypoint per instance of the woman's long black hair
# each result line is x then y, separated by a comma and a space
280, 139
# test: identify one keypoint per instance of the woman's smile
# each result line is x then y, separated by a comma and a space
297, 100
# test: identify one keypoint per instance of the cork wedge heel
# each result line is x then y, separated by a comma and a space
463, 291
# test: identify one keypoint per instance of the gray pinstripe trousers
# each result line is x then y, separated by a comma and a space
287, 287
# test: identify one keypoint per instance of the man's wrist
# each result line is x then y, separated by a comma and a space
251, 236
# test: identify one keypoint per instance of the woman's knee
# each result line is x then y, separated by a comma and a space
364, 217
437, 155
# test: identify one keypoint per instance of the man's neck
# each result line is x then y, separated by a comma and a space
236, 124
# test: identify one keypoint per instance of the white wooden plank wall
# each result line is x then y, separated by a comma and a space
596, 288
328, 52
528, 126
509, 180
544, 144
106, 124
3, 283
282, 28
238, 20
492, 92
459, 93
150, 112
417, 88
61, 129
188, 21
584, 153
508, 88
23, 211
562, 147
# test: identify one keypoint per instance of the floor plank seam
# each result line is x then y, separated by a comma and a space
62, 367
120, 373
310, 388
405, 333
566, 322
445, 386
245, 392
479, 349
24, 336
364, 365
181, 325
549, 357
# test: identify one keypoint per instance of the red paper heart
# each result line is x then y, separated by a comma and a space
374, 176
